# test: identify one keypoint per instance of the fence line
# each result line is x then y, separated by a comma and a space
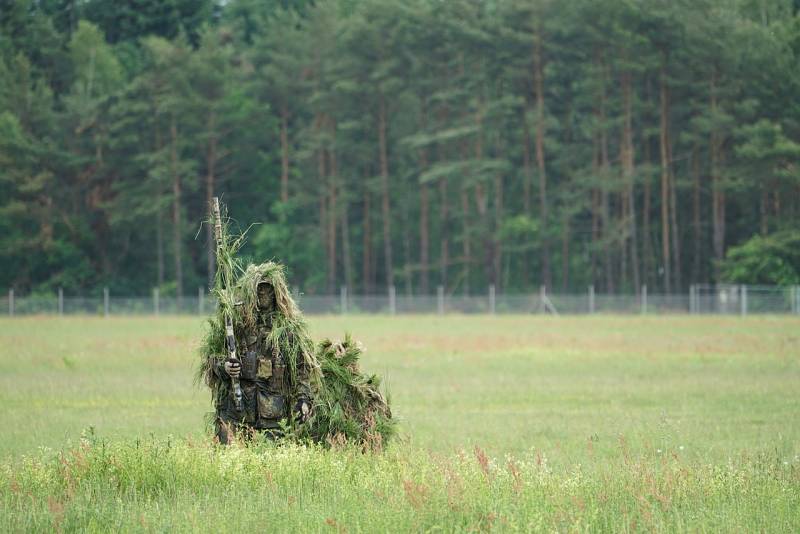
723, 299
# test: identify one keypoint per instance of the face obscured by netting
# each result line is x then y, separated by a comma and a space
266, 296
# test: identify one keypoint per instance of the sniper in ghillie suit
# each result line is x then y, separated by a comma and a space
266, 375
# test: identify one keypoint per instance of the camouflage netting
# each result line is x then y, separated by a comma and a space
348, 405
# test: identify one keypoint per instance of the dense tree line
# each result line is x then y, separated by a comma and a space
419, 143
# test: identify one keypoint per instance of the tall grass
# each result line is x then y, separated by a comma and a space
180, 486
506, 423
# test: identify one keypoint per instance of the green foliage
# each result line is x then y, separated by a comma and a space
169, 484
520, 230
769, 259
134, 19
350, 407
330, 122
95, 67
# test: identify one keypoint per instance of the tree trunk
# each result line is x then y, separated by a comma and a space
565, 255
595, 202
347, 258
717, 191
596, 205
497, 245
696, 225
322, 173
159, 220
665, 175
776, 204
526, 191
424, 238
444, 233
482, 205
538, 81
481, 200
332, 212
605, 204
467, 239
176, 210
424, 213
385, 207
367, 246
284, 153
160, 247
647, 247
407, 274
624, 235
605, 165
676, 244
627, 157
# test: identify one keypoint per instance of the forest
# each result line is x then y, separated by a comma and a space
414, 143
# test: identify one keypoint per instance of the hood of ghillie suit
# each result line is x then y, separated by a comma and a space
246, 292
288, 332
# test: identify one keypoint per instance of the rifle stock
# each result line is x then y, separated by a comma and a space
225, 279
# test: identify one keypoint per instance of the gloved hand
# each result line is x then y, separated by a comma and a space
233, 367
302, 410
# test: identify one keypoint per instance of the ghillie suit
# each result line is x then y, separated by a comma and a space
278, 368
349, 407
281, 370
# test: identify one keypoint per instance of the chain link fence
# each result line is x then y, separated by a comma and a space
722, 299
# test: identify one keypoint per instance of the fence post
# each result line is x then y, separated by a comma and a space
698, 307
795, 298
491, 299
343, 299
644, 299
11, 301
542, 297
796, 301
743, 299
440, 300
591, 299
156, 303
60, 301
692, 307
201, 301
392, 302
105, 302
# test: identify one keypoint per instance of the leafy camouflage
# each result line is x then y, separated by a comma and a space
281, 366
349, 406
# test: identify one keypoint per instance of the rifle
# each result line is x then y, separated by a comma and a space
225, 279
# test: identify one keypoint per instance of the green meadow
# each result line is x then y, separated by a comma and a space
601, 423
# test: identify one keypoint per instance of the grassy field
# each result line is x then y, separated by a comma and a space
507, 423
